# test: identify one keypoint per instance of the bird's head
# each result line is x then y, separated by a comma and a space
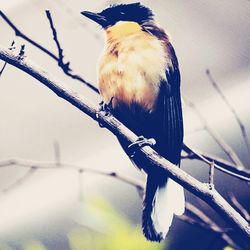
134, 12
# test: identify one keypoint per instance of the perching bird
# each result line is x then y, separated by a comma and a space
139, 79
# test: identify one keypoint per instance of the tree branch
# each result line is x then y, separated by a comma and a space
227, 167
201, 220
53, 165
20, 180
231, 108
57, 154
48, 52
221, 142
5, 63
239, 207
211, 225
64, 66
212, 197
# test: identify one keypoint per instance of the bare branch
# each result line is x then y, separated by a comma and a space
203, 221
3, 68
239, 207
26, 38
57, 153
221, 142
203, 217
5, 63
211, 225
20, 180
46, 51
211, 175
212, 197
64, 66
21, 52
200, 224
51, 166
80, 176
222, 165
231, 108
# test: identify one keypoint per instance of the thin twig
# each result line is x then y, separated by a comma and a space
239, 207
57, 153
222, 165
20, 180
26, 38
52, 165
202, 216
221, 142
211, 175
46, 51
80, 184
21, 52
64, 66
200, 224
212, 225
147, 154
231, 108
5, 63
3, 68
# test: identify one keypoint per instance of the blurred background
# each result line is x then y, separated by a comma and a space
64, 209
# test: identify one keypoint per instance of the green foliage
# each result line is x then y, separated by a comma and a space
228, 248
121, 234
115, 232
34, 245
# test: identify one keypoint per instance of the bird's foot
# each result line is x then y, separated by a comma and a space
139, 143
106, 108
210, 186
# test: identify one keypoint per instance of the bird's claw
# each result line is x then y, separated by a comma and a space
139, 143
103, 107
106, 108
210, 186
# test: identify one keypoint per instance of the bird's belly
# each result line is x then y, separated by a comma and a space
128, 88
130, 72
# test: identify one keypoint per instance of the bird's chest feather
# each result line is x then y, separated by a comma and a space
131, 69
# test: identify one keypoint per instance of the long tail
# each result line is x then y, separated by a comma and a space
162, 200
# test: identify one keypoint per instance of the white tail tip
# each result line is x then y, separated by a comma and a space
168, 200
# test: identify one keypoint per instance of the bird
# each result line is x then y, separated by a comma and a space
139, 80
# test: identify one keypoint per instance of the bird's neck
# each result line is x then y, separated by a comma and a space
121, 30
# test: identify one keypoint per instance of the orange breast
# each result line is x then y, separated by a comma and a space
131, 70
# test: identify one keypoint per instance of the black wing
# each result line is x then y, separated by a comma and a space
168, 112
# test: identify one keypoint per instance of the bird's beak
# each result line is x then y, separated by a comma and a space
95, 17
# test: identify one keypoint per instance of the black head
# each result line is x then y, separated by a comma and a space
134, 12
